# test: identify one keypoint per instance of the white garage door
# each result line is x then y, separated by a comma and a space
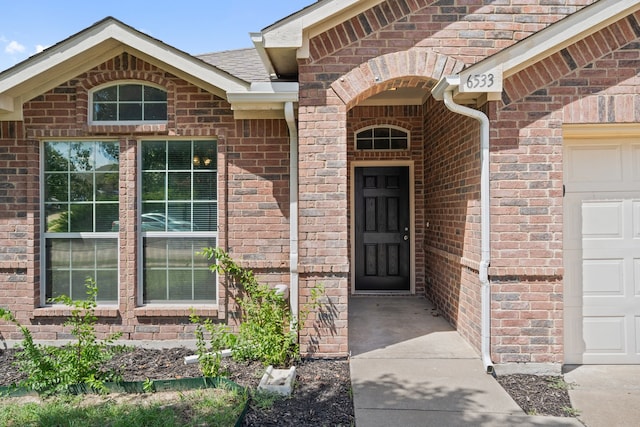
602, 250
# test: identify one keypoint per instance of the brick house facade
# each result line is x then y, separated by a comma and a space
300, 166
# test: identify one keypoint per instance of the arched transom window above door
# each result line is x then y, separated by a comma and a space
382, 138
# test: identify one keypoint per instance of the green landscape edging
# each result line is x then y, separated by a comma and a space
140, 387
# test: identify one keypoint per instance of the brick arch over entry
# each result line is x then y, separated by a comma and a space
417, 67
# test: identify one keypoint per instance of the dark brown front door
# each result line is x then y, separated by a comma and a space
382, 245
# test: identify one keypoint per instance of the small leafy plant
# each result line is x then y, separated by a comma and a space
220, 338
53, 370
268, 331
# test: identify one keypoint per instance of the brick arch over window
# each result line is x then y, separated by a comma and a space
114, 76
417, 67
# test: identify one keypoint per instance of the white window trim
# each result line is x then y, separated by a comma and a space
93, 122
355, 138
142, 234
81, 235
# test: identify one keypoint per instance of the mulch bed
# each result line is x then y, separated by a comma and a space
539, 395
321, 397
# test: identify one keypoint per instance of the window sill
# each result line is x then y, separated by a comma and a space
175, 310
127, 129
63, 311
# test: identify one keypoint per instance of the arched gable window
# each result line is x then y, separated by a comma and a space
382, 138
128, 103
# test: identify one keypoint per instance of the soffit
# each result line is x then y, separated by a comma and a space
287, 40
93, 46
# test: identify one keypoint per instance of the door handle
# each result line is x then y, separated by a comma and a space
405, 237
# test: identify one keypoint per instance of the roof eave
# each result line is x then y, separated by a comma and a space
95, 45
542, 44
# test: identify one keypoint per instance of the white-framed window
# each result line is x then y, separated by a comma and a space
128, 103
80, 205
178, 218
382, 138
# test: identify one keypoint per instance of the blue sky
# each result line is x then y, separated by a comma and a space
194, 26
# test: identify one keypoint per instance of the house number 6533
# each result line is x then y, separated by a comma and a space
489, 81
480, 81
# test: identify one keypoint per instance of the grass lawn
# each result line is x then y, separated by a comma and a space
213, 406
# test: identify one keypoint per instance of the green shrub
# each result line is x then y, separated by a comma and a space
268, 331
54, 369
220, 338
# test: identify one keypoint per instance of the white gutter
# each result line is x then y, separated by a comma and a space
289, 115
444, 90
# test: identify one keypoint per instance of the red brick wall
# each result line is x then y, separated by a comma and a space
253, 197
594, 81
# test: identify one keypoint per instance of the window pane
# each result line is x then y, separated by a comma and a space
154, 94
155, 285
106, 217
107, 156
130, 92
173, 271
105, 112
56, 156
204, 186
59, 283
154, 155
71, 261
179, 186
180, 283
179, 217
155, 111
381, 132
56, 187
365, 144
130, 112
205, 155
81, 156
179, 155
153, 186
56, 218
205, 216
81, 187
107, 281
398, 144
80, 218
107, 186
204, 285
106, 94
82, 253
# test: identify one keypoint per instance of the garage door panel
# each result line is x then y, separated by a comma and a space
636, 219
635, 162
605, 335
602, 219
602, 251
589, 165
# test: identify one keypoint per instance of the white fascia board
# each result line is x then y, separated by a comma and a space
265, 93
558, 36
258, 43
444, 84
6, 104
311, 21
110, 34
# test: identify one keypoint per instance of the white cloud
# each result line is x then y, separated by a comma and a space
14, 47
40, 48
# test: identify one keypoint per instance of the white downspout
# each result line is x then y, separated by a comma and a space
485, 224
290, 118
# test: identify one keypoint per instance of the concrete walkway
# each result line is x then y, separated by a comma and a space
409, 367
605, 395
